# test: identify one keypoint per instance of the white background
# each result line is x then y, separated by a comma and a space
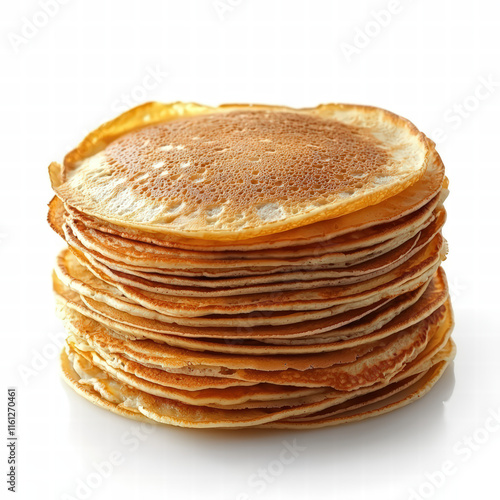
90, 60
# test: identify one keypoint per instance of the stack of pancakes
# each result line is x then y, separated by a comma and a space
252, 265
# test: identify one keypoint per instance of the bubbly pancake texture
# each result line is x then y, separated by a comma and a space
240, 172
252, 266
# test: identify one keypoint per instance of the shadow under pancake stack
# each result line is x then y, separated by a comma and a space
252, 265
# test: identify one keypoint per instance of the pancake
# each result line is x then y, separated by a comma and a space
429, 368
271, 282
117, 278
272, 310
294, 167
390, 318
103, 390
246, 266
384, 401
147, 352
128, 326
156, 383
142, 259
432, 185
377, 265
150, 255
381, 363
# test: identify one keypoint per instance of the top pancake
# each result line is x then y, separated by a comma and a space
238, 172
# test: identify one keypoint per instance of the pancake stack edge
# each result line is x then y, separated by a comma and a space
191, 307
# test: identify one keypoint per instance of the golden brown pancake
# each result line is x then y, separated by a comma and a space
276, 169
258, 309
114, 246
248, 266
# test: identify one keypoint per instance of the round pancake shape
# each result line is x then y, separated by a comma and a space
315, 336
266, 311
294, 167
103, 390
419, 267
311, 278
143, 259
114, 246
401, 254
252, 266
148, 353
433, 184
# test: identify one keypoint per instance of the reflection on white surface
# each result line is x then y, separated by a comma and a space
248, 461
82, 66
